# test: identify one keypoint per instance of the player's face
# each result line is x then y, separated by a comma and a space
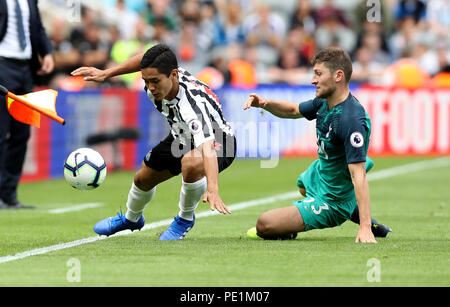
323, 81
161, 86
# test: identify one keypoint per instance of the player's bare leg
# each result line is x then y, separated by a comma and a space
143, 190
147, 178
281, 223
194, 184
192, 166
141, 193
193, 169
378, 230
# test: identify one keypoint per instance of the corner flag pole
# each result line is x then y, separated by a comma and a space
4, 91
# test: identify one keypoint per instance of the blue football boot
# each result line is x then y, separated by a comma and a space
111, 225
178, 229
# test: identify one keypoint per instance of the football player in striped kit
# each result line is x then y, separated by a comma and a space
200, 144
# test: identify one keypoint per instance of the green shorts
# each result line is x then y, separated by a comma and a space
317, 214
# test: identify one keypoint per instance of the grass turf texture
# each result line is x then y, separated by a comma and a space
217, 252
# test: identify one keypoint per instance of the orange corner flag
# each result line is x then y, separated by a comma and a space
27, 108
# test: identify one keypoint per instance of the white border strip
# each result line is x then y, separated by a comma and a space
394, 171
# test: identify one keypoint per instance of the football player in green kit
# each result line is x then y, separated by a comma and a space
335, 186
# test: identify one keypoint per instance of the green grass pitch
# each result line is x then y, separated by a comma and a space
216, 252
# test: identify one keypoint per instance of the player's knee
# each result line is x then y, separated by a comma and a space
144, 181
192, 170
140, 182
264, 225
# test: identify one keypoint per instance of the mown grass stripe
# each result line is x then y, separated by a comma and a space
382, 174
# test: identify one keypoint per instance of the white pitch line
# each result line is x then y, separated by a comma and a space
45, 250
75, 208
52, 248
398, 170
409, 168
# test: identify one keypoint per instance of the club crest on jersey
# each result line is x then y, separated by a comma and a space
356, 139
195, 126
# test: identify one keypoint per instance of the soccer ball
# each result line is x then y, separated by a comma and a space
85, 169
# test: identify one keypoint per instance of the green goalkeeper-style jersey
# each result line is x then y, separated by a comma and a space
343, 134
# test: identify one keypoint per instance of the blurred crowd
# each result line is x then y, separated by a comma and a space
249, 42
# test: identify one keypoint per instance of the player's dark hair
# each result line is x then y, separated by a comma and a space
335, 59
160, 57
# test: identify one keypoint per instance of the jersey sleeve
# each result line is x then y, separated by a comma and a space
354, 132
309, 108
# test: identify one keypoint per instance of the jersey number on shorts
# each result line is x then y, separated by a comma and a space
321, 207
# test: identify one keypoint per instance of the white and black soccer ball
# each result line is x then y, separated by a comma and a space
85, 169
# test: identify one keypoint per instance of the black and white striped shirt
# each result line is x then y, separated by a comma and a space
195, 114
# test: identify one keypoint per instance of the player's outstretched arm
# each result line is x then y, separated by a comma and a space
98, 75
279, 108
358, 174
212, 173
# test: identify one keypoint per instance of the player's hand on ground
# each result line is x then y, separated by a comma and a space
254, 101
365, 235
215, 202
90, 74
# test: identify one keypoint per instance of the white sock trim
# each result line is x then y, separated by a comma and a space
193, 185
190, 195
137, 201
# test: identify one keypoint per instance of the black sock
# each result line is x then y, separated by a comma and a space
355, 216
